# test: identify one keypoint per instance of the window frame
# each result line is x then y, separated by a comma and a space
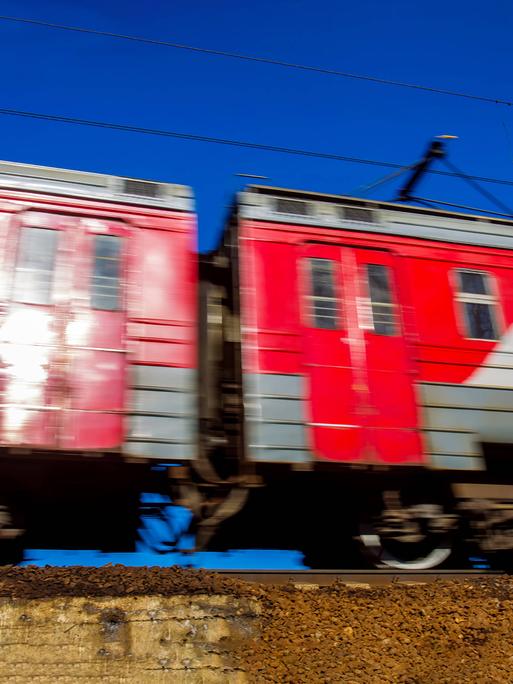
18, 270
120, 278
393, 305
309, 299
492, 299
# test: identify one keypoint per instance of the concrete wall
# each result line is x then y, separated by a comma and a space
186, 639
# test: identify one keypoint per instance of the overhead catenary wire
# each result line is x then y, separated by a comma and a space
471, 181
42, 116
433, 202
260, 59
362, 190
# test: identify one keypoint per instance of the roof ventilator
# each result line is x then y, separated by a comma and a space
288, 206
140, 188
357, 214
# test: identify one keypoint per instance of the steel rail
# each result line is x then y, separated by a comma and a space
356, 577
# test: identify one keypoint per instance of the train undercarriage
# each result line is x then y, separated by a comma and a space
418, 521
415, 519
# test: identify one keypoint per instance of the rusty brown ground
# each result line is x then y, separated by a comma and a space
441, 633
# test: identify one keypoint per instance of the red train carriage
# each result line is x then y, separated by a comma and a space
370, 344
98, 320
355, 353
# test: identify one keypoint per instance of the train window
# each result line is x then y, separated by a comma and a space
105, 286
322, 301
382, 304
478, 303
33, 278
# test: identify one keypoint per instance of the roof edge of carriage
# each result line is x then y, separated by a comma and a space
363, 202
97, 186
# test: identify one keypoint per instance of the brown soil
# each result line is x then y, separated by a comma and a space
442, 633
113, 580
447, 633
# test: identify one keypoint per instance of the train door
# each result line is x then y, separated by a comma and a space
33, 313
61, 333
95, 337
392, 416
333, 345
362, 403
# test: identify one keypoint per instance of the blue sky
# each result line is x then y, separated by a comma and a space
459, 45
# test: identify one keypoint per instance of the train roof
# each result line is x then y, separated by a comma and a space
98, 186
282, 205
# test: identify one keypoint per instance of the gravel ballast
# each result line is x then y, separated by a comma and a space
445, 632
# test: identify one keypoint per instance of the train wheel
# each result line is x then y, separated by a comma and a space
403, 556
414, 537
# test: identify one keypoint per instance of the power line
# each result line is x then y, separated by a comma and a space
431, 202
234, 143
364, 189
193, 136
260, 59
488, 195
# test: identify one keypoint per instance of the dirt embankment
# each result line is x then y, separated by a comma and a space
114, 580
447, 633
442, 633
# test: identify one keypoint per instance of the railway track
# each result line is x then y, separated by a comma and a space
355, 577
